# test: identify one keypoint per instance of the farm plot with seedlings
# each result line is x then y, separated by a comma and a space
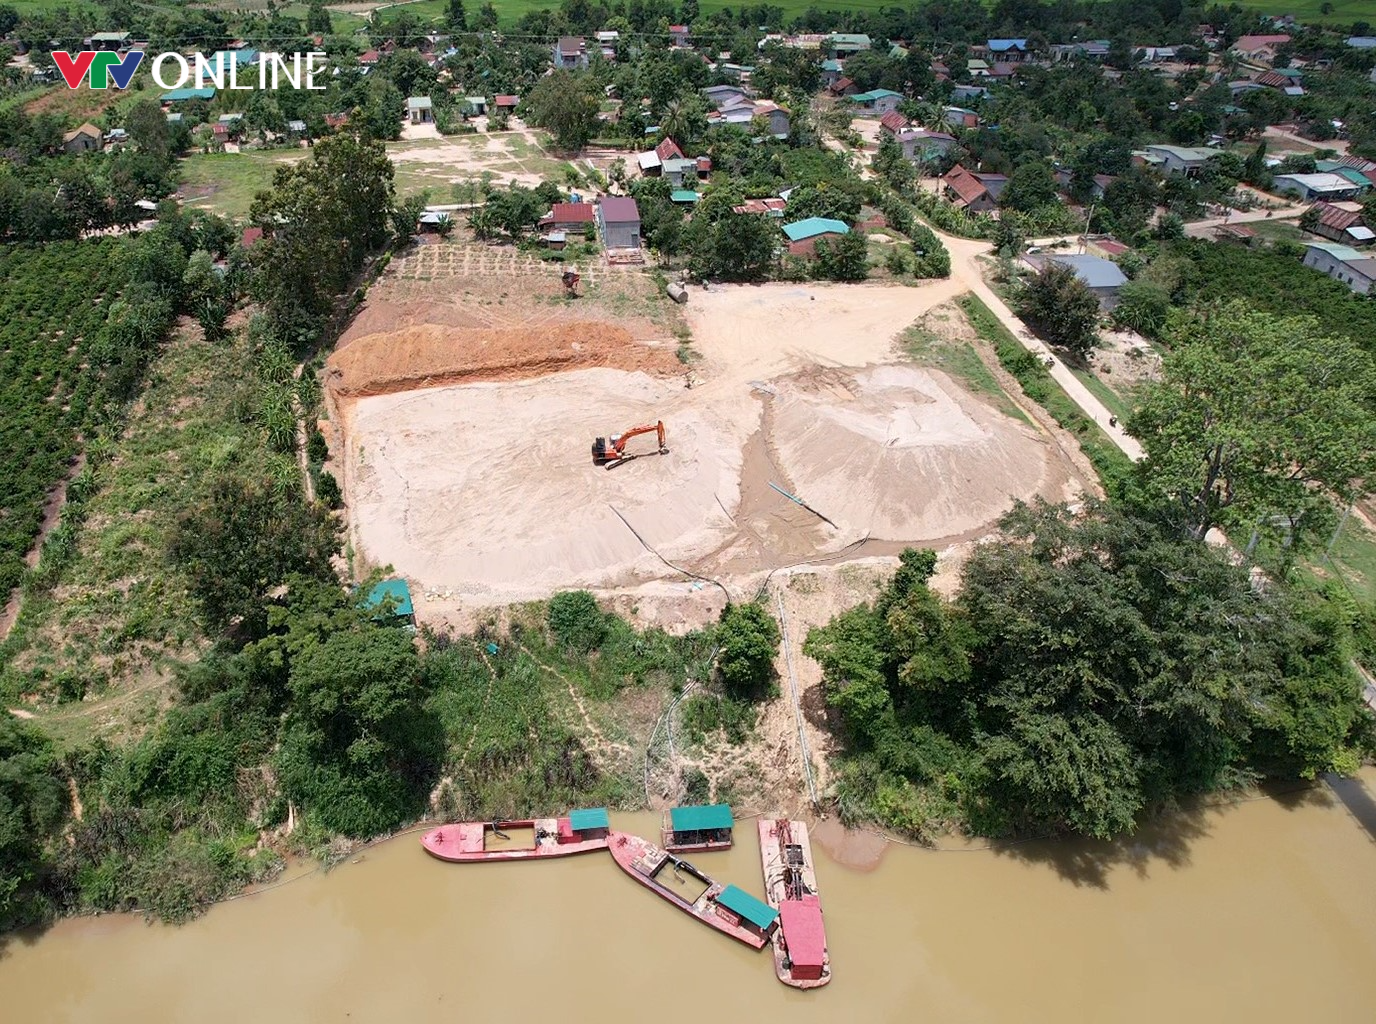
64, 367
469, 392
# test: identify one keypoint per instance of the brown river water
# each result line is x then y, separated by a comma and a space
1260, 910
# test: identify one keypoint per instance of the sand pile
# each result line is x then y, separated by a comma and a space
491, 487
902, 453
429, 355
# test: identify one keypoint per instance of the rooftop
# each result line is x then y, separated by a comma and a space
757, 912
1337, 250
811, 227
619, 210
589, 817
801, 921
700, 817
1095, 271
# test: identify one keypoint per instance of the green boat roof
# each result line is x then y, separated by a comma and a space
589, 817
699, 818
757, 912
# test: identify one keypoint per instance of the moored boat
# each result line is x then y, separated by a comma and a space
726, 908
698, 828
581, 831
801, 958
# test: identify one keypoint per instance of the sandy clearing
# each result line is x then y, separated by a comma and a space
749, 332
902, 453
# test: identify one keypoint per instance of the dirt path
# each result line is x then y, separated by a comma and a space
599, 741
52, 515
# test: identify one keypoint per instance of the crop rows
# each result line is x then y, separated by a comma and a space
53, 346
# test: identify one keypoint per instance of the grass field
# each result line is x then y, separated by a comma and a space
959, 359
225, 183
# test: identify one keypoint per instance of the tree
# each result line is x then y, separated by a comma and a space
456, 16
736, 246
360, 750
242, 541
1142, 307
147, 126
747, 639
33, 805
566, 103
1030, 187
487, 17
1060, 307
318, 19
846, 258
1257, 418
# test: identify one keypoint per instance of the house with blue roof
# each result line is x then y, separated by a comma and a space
1343, 263
803, 235
1008, 49
876, 101
1103, 277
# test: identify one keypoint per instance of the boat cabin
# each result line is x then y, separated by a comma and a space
699, 827
744, 910
585, 824
804, 937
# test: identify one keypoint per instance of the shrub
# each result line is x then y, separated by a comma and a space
576, 622
327, 490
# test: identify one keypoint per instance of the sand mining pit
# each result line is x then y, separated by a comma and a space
429, 355
488, 490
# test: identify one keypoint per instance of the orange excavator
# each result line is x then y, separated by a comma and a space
611, 451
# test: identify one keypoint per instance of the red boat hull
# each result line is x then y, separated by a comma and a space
642, 860
465, 841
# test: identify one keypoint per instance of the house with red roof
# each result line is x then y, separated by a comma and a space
569, 217
975, 193
893, 122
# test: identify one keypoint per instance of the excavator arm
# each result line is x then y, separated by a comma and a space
613, 449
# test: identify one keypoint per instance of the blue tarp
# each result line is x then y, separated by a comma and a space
589, 817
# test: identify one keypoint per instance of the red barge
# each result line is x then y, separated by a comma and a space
726, 908
581, 831
698, 828
801, 958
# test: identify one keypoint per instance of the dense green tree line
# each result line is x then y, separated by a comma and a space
1091, 666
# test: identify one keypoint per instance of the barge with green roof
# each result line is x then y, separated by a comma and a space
581, 831
698, 828
726, 908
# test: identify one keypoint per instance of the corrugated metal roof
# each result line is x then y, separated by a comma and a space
697, 818
757, 912
811, 227
619, 210
801, 921
1094, 271
589, 817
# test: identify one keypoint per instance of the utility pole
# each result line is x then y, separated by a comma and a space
1084, 235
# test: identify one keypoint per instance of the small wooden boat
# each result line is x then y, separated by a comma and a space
580, 832
724, 907
698, 828
801, 958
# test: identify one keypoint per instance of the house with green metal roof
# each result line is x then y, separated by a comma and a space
683, 195
876, 101
183, 95
843, 44
390, 598
803, 235
749, 909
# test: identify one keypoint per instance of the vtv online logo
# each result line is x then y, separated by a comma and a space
102, 65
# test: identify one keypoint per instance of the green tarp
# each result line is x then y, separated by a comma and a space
760, 914
589, 817
700, 818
